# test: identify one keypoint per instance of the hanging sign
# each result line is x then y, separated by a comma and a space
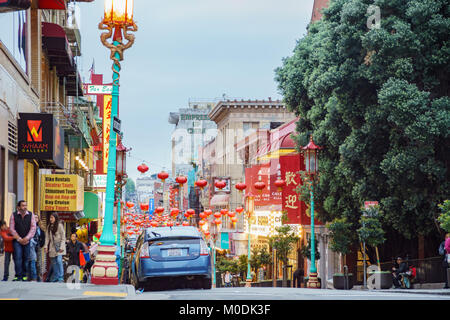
62, 192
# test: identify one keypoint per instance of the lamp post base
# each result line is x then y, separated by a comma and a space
105, 270
313, 282
248, 283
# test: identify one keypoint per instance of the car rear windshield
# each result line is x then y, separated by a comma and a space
173, 239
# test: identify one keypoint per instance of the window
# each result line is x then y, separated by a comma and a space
13, 35
12, 173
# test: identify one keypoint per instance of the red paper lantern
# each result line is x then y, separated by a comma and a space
231, 214
181, 180
280, 183
130, 233
208, 212
224, 211
130, 204
190, 212
202, 215
217, 215
259, 186
154, 224
186, 215
234, 219
185, 224
240, 186
163, 176
220, 184
201, 183
143, 168
144, 206
239, 209
170, 224
174, 212
201, 222
217, 222
159, 209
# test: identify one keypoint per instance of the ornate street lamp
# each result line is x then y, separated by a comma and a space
310, 155
118, 19
250, 209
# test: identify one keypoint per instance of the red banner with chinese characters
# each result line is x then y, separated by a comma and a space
290, 166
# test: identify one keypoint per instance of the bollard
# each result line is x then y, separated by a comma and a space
346, 278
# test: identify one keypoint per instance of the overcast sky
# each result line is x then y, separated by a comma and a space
187, 50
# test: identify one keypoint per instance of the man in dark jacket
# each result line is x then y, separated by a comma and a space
73, 250
402, 268
22, 226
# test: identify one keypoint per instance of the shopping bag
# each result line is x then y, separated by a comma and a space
87, 258
82, 260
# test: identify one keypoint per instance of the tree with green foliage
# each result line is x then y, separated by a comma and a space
341, 237
283, 242
444, 218
377, 101
371, 231
260, 257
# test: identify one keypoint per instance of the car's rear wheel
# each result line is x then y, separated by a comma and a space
206, 283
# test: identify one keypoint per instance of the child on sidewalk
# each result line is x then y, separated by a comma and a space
9, 249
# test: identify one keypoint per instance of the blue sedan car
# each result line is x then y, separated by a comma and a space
171, 255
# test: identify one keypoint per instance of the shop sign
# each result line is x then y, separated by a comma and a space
62, 192
99, 89
100, 181
40, 138
224, 241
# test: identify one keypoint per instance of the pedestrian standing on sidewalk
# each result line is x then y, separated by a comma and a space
22, 227
36, 243
55, 246
227, 279
9, 250
73, 250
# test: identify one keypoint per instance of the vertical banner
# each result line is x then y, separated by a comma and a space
106, 129
151, 206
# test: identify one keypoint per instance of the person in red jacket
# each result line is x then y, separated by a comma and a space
9, 249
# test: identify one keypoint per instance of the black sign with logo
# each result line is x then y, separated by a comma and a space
40, 138
116, 124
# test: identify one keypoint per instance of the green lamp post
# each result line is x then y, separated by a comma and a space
310, 156
250, 209
118, 21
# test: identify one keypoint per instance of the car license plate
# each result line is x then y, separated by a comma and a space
174, 252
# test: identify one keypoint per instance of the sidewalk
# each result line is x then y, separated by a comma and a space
10, 290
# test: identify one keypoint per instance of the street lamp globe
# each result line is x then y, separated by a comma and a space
119, 12
310, 152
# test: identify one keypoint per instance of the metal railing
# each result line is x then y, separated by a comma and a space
428, 270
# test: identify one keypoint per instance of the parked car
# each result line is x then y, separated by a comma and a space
171, 255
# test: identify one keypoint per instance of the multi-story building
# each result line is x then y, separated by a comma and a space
236, 121
193, 129
46, 127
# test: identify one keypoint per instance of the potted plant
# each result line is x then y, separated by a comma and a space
372, 234
341, 239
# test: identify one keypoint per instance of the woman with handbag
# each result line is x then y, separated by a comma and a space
75, 249
55, 246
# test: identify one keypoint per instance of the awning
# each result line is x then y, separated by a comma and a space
14, 5
91, 205
58, 50
52, 4
220, 200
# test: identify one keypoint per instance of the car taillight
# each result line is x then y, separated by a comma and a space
144, 251
204, 251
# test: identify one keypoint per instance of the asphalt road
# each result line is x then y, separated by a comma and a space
243, 293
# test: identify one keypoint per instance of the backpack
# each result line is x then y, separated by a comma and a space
413, 271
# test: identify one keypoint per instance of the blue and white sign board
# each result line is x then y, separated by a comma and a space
151, 206
224, 241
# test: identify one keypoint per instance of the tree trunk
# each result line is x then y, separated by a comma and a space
284, 275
